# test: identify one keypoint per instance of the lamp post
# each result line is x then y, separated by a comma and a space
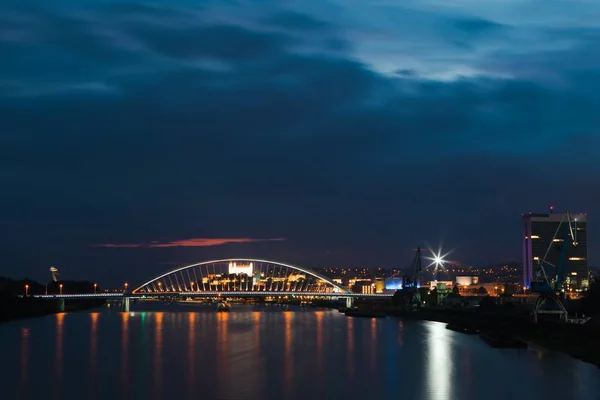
192, 286
26, 290
159, 286
126, 285
95, 287
60, 288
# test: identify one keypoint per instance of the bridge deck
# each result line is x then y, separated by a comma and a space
209, 294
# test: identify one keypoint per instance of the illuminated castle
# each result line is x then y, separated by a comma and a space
235, 268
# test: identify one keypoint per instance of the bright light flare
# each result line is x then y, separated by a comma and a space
437, 260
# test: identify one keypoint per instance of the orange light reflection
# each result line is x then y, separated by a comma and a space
158, 344
350, 350
191, 352
288, 362
58, 355
256, 319
319, 317
222, 325
93, 351
373, 351
125, 378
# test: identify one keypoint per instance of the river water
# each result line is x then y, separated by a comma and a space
252, 352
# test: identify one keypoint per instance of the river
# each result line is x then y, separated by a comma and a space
270, 352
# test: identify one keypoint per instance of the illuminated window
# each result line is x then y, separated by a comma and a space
574, 273
534, 237
576, 258
557, 240
536, 258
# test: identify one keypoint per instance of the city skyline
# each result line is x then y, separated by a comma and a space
137, 137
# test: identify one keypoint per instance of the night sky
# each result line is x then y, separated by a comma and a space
140, 135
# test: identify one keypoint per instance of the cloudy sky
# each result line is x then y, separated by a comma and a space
139, 135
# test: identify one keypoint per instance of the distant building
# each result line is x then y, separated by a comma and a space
379, 285
538, 234
467, 280
364, 286
393, 284
441, 285
482, 289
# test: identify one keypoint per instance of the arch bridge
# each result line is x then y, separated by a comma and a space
234, 277
241, 276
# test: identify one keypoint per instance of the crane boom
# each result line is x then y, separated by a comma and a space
415, 269
549, 289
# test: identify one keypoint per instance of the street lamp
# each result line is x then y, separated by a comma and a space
159, 286
26, 290
125, 285
192, 285
95, 287
60, 288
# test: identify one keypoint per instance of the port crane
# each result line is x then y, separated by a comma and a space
549, 278
415, 269
412, 283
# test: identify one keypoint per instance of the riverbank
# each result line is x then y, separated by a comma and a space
579, 341
26, 307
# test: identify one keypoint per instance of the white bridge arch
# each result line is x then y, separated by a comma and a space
240, 275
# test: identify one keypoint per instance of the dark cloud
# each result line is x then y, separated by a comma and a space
216, 129
290, 20
477, 26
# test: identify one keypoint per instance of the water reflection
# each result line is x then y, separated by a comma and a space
319, 318
222, 338
256, 330
288, 361
373, 347
125, 378
93, 352
439, 362
319, 349
158, 353
24, 359
466, 367
191, 353
270, 355
58, 353
399, 335
350, 346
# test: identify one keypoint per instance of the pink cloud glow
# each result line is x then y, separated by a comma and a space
198, 242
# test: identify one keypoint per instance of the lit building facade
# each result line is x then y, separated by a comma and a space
235, 268
538, 238
393, 284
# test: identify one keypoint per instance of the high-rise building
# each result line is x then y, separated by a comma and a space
545, 238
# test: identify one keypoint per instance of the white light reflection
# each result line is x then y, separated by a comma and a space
439, 361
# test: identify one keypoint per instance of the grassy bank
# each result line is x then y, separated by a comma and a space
579, 341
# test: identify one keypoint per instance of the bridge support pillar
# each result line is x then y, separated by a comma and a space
349, 302
61, 305
125, 304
